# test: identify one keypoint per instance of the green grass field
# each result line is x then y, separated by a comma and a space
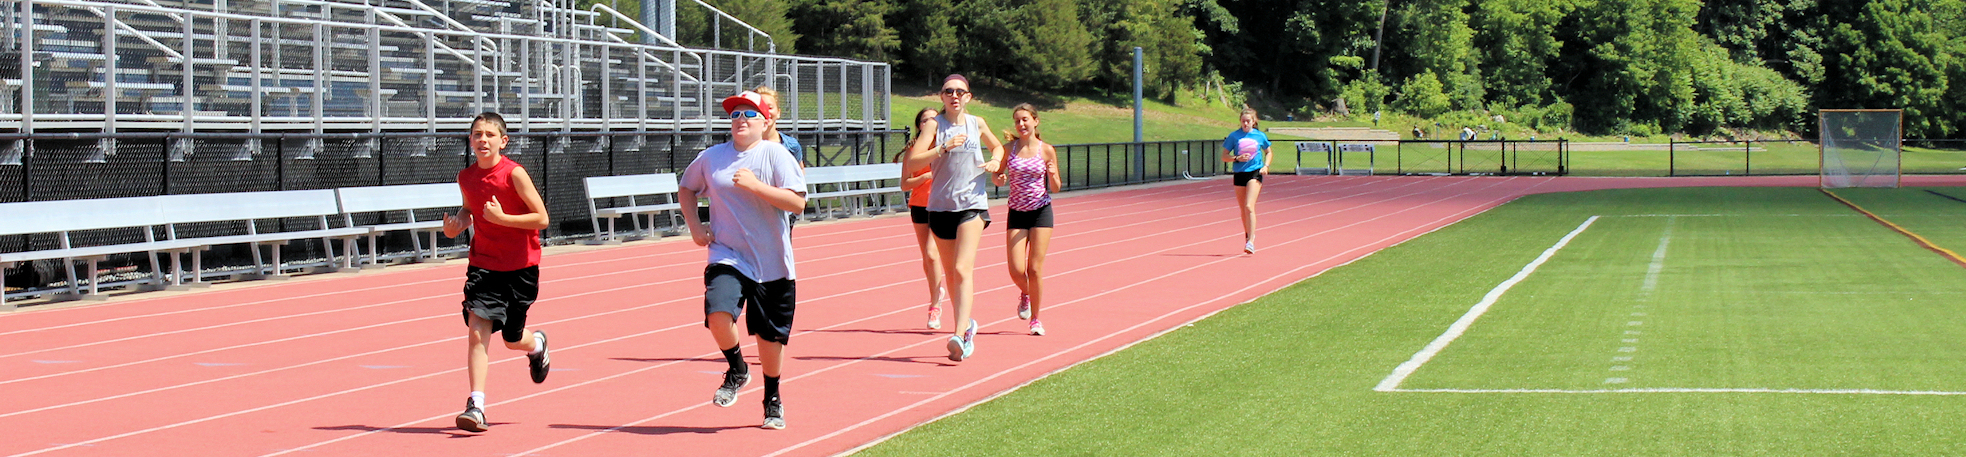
1757, 290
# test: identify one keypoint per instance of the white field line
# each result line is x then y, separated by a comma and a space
1733, 215
1658, 261
1684, 390
1053, 354
201, 420
1461, 326
1456, 216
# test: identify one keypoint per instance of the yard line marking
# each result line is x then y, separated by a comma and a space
1658, 263
1687, 390
1391, 383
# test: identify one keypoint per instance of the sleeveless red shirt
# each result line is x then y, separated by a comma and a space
497, 247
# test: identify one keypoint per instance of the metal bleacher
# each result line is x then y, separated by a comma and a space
327, 66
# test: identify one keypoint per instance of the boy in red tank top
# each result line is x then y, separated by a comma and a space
505, 214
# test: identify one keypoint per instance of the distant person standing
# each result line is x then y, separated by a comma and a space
505, 214
753, 185
1030, 170
1249, 150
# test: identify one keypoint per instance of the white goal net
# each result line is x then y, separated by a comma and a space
1861, 148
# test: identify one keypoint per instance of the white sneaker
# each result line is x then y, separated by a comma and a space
1249, 247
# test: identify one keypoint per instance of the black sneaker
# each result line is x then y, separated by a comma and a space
473, 419
540, 363
727, 393
774, 414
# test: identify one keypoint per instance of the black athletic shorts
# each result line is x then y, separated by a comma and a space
944, 223
918, 214
1244, 177
766, 308
502, 297
1025, 220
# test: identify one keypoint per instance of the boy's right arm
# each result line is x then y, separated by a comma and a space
455, 225
697, 233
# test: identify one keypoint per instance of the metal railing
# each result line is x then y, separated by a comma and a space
101, 66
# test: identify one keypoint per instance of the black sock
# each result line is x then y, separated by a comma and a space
736, 360
771, 388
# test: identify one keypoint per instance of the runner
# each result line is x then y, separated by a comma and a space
1030, 171
505, 214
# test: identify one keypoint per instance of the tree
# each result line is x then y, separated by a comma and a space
1893, 54
694, 25
1421, 95
1034, 44
847, 28
1517, 42
1439, 41
1165, 31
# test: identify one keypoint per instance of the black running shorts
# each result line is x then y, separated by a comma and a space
502, 297
766, 308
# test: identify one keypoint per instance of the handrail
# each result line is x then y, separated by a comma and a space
139, 34
447, 48
771, 46
452, 22
645, 29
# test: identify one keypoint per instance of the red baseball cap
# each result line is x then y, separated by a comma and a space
754, 99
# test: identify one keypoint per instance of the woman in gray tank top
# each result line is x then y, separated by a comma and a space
958, 201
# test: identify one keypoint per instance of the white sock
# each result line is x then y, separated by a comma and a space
537, 344
478, 399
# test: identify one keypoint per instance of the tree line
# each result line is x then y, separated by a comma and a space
1597, 66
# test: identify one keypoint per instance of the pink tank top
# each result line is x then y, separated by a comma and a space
1027, 183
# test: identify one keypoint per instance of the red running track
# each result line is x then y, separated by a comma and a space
372, 364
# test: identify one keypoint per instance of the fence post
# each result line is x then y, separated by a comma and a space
1672, 157
1747, 157
27, 168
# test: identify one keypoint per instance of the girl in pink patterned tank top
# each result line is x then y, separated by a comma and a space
1031, 172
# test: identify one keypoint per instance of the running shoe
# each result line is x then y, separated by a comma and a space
727, 393
473, 419
957, 349
934, 317
539, 363
1249, 247
1037, 328
774, 414
1024, 306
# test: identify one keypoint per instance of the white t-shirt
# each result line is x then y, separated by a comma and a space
960, 182
751, 235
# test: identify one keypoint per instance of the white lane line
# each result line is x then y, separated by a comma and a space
1658, 262
837, 273
1001, 373
1063, 200
1461, 326
711, 354
1680, 390
577, 278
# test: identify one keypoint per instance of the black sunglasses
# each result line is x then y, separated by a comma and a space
954, 91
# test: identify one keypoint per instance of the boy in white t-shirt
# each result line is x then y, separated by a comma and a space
752, 185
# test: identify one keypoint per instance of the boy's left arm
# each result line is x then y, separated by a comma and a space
779, 194
494, 212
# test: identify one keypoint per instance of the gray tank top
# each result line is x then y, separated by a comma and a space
960, 183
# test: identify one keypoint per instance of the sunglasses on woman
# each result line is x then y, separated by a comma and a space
954, 92
745, 114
